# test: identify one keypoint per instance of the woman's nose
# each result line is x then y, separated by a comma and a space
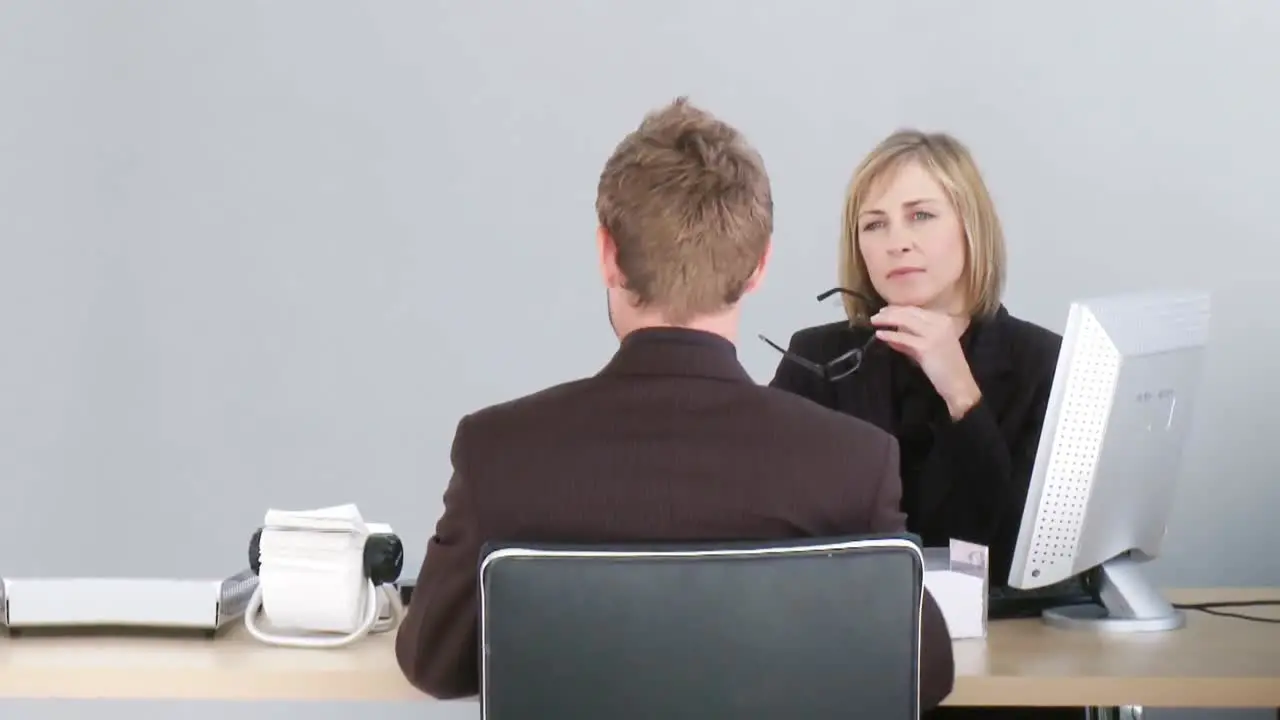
899, 242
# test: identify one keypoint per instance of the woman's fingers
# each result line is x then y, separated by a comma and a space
901, 341
908, 319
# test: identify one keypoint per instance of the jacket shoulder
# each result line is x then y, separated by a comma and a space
524, 409
821, 333
798, 411
827, 336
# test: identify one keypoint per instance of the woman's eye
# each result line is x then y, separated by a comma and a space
873, 225
921, 215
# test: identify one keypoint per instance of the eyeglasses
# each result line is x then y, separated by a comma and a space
841, 367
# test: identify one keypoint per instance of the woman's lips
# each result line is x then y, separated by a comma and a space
904, 272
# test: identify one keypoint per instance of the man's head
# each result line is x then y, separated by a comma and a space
686, 218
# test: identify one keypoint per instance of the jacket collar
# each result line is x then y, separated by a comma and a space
676, 352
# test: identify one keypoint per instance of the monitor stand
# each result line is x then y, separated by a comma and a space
1130, 604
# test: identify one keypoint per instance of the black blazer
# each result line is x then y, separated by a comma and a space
671, 441
973, 483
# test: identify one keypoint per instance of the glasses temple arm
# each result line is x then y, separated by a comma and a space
811, 365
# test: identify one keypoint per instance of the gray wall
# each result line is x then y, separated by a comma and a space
261, 254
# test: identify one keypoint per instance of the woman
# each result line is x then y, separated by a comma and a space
929, 353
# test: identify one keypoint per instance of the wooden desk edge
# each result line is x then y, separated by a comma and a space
1258, 692
381, 681
200, 685
378, 687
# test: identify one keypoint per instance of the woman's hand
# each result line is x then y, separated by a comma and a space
932, 340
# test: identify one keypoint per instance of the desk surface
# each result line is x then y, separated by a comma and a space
1213, 662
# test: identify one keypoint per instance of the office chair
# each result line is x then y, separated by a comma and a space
785, 631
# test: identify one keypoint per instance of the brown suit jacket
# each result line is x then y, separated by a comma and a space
671, 441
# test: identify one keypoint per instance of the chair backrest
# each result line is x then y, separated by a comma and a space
795, 630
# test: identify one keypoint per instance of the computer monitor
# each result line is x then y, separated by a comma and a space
1110, 452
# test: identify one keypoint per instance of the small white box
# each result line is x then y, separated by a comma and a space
957, 577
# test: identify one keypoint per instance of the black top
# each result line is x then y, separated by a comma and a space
964, 479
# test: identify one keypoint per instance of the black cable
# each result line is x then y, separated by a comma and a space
1228, 604
1215, 608
1239, 616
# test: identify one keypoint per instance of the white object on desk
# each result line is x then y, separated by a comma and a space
956, 577
160, 603
312, 582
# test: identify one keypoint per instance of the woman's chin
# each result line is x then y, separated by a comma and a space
910, 299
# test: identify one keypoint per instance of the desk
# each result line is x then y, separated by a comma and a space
1213, 662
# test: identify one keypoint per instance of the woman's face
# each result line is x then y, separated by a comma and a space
912, 241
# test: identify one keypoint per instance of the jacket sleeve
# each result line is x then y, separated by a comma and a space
886, 508
981, 478
437, 643
937, 660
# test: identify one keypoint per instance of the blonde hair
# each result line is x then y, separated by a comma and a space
950, 163
688, 204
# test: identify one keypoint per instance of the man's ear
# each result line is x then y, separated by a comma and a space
757, 277
608, 259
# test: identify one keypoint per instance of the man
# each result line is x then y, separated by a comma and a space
672, 440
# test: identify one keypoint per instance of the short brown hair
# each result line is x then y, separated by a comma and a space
687, 202
951, 164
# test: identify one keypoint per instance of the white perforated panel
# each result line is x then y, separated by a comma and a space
1091, 380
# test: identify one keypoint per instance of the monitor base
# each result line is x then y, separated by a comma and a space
1129, 604
1095, 618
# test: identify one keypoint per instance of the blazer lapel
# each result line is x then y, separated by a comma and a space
989, 361
868, 393
989, 358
